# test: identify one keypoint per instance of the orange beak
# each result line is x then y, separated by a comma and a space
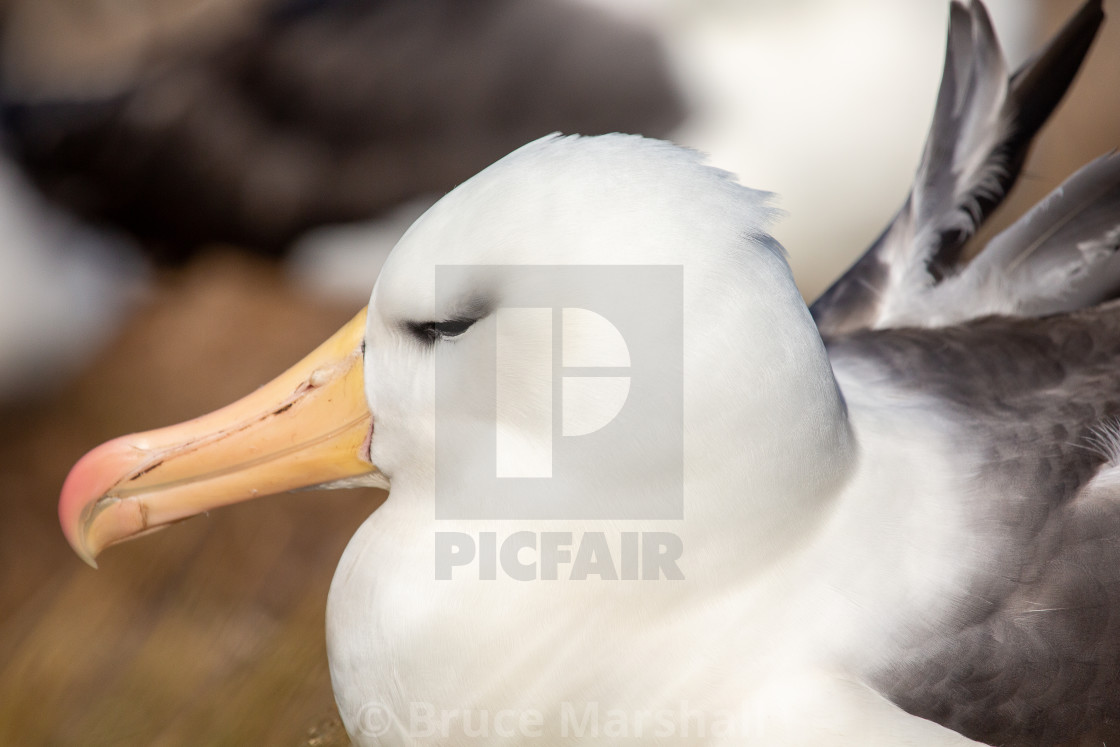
309, 426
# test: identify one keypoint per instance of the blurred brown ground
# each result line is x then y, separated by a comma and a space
212, 632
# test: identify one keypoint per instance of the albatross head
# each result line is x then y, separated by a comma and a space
479, 306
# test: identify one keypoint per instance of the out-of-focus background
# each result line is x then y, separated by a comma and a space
194, 193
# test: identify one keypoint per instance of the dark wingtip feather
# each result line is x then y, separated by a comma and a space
927, 238
1041, 82
978, 58
1035, 90
1039, 85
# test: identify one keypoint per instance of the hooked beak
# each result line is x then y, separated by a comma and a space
309, 426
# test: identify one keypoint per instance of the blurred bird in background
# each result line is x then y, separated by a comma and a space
307, 112
159, 156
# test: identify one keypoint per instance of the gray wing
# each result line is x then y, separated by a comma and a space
1013, 349
982, 128
1032, 654
1061, 256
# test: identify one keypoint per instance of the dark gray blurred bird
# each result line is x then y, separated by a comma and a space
324, 111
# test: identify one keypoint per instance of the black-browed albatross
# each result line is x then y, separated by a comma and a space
897, 520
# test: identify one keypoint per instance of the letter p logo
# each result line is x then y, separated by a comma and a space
593, 371
584, 383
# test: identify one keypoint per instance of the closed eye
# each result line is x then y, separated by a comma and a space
432, 331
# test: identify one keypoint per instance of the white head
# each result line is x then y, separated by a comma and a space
750, 351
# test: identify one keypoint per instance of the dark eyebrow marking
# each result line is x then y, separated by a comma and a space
431, 331
472, 311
